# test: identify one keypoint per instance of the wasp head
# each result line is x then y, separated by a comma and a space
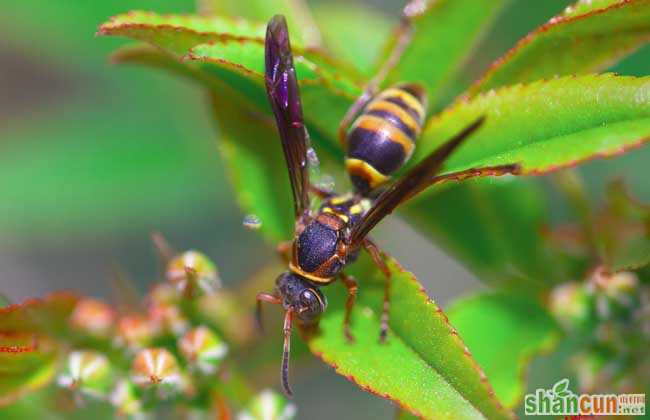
300, 296
300, 299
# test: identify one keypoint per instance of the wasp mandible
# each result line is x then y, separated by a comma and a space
380, 140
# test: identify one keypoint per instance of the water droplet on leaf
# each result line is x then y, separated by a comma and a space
252, 222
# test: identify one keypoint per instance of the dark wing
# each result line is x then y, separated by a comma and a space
284, 96
418, 178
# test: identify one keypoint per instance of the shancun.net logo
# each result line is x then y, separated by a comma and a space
560, 400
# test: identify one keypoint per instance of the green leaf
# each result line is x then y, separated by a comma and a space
179, 33
325, 95
504, 332
48, 315
237, 59
297, 12
145, 166
359, 45
253, 159
444, 35
547, 125
588, 38
33, 405
581, 7
424, 366
255, 166
404, 415
248, 142
47, 403
252, 154
27, 363
492, 226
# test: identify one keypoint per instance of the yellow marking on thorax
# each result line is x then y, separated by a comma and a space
341, 216
316, 279
397, 111
377, 124
356, 209
340, 199
405, 97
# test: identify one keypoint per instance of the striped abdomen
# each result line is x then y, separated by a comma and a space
382, 138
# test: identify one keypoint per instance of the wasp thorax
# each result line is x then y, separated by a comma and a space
301, 296
320, 247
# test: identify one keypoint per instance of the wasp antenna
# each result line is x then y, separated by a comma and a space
258, 316
285, 353
264, 297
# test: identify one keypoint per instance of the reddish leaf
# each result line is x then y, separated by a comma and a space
27, 362
48, 315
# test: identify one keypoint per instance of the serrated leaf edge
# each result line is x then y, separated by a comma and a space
452, 331
258, 78
523, 363
530, 37
464, 100
10, 397
38, 301
19, 349
112, 26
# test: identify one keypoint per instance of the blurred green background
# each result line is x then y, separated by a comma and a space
94, 157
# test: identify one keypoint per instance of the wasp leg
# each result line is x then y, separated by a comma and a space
319, 192
264, 297
284, 249
351, 284
362, 101
404, 35
377, 258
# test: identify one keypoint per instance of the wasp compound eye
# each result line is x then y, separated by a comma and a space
311, 305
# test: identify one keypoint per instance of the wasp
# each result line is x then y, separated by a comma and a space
379, 141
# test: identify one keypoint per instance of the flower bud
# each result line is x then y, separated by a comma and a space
93, 317
88, 372
616, 293
203, 348
156, 367
572, 306
192, 272
136, 331
125, 398
168, 317
268, 405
